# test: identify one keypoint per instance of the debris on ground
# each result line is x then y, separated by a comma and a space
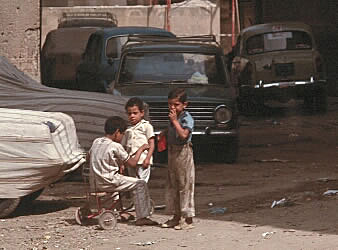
147, 243
282, 202
331, 192
217, 210
267, 235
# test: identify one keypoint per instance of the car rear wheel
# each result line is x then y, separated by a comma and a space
317, 101
227, 152
321, 100
250, 105
8, 206
27, 199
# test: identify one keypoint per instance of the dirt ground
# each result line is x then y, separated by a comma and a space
285, 153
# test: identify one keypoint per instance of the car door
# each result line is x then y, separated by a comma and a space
111, 59
88, 70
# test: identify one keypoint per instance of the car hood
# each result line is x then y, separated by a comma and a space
159, 92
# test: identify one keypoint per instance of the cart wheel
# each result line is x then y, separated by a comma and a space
152, 206
107, 220
81, 214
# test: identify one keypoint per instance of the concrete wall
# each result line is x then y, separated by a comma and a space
20, 34
191, 18
71, 3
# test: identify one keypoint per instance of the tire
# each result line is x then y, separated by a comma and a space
81, 214
8, 206
228, 152
31, 197
107, 220
250, 105
321, 101
308, 103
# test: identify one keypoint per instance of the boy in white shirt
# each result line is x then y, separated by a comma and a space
104, 157
138, 133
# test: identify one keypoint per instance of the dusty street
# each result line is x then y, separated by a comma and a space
285, 153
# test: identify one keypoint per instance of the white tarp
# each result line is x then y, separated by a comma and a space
36, 149
89, 110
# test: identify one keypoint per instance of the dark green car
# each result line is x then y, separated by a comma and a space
150, 68
101, 58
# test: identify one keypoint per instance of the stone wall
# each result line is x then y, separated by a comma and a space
191, 18
20, 34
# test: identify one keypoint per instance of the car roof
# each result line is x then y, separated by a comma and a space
125, 30
181, 44
274, 26
64, 40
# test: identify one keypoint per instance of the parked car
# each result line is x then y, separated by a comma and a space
101, 58
63, 47
151, 67
279, 61
36, 150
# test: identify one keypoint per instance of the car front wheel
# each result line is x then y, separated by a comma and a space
226, 152
8, 206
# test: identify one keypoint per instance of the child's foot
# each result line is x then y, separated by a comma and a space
145, 222
185, 224
171, 223
126, 217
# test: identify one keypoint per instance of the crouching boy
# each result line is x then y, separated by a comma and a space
104, 157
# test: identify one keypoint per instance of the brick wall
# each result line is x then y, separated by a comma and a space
20, 34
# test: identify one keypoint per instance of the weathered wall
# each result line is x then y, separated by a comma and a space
20, 34
192, 18
71, 3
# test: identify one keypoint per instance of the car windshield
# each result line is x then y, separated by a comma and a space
171, 67
276, 41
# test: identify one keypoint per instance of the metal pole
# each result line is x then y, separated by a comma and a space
237, 14
233, 13
168, 14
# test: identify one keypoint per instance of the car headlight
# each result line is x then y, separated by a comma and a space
222, 114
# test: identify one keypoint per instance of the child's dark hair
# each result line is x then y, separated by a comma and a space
114, 123
178, 93
135, 101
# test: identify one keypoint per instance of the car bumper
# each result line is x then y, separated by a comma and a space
212, 135
292, 89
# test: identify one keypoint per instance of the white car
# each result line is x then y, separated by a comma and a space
36, 149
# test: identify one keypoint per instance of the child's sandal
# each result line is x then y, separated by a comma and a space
170, 224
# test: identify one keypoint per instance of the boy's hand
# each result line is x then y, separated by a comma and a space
122, 169
145, 147
172, 115
146, 163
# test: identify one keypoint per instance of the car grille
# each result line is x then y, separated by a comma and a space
284, 69
203, 114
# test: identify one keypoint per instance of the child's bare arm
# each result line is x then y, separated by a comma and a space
132, 161
121, 166
151, 143
183, 133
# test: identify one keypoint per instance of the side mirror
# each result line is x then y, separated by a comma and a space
110, 61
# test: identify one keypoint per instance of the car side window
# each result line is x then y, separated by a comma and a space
112, 48
92, 53
88, 52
